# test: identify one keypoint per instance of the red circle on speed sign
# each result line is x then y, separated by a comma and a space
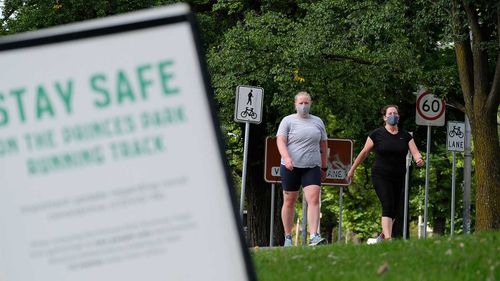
429, 107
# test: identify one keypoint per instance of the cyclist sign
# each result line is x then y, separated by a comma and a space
248, 107
430, 110
455, 137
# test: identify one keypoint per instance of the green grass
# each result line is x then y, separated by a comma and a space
467, 257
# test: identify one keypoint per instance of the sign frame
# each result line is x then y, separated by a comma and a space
272, 161
121, 24
252, 96
437, 118
455, 133
271, 157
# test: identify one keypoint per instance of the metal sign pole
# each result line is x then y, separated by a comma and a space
339, 238
407, 184
456, 139
247, 109
271, 232
467, 176
319, 219
453, 195
304, 219
427, 160
244, 175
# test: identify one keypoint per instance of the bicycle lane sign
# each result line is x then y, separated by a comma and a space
455, 137
248, 105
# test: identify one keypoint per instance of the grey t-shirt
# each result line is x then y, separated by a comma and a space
303, 137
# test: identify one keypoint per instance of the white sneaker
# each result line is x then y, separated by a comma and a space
288, 242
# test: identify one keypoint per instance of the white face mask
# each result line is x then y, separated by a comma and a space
303, 109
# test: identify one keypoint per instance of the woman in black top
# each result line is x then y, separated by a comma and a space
388, 171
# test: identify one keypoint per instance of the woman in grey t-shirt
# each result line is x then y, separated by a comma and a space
302, 143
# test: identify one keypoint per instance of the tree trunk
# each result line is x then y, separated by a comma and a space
258, 195
487, 154
439, 226
486, 142
481, 105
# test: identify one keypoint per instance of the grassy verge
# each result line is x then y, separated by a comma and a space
468, 257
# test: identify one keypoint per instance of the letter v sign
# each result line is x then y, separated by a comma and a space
275, 171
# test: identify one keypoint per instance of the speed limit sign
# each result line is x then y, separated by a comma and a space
430, 110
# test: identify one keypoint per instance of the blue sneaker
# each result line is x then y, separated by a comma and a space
288, 242
316, 239
380, 238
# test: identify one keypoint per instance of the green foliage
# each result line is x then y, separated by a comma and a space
33, 15
360, 210
23, 15
440, 185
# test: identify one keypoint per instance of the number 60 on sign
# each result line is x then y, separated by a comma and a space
430, 110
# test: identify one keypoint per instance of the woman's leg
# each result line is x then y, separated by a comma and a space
384, 190
290, 182
311, 181
312, 193
387, 227
398, 211
288, 210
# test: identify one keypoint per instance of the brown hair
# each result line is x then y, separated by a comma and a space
384, 109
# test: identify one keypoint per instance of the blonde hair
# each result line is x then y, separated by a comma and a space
302, 93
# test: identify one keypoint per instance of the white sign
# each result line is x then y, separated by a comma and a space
275, 171
430, 110
336, 174
455, 137
100, 126
249, 102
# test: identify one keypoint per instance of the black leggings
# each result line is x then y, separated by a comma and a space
389, 191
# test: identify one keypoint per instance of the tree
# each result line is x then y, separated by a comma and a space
471, 28
477, 46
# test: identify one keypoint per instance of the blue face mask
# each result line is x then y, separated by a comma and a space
392, 120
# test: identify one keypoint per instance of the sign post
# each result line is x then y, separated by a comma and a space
406, 193
100, 182
272, 175
247, 109
455, 140
467, 176
430, 111
340, 154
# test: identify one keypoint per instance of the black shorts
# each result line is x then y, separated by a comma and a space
292, 180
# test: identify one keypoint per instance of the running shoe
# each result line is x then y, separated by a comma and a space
316, 239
